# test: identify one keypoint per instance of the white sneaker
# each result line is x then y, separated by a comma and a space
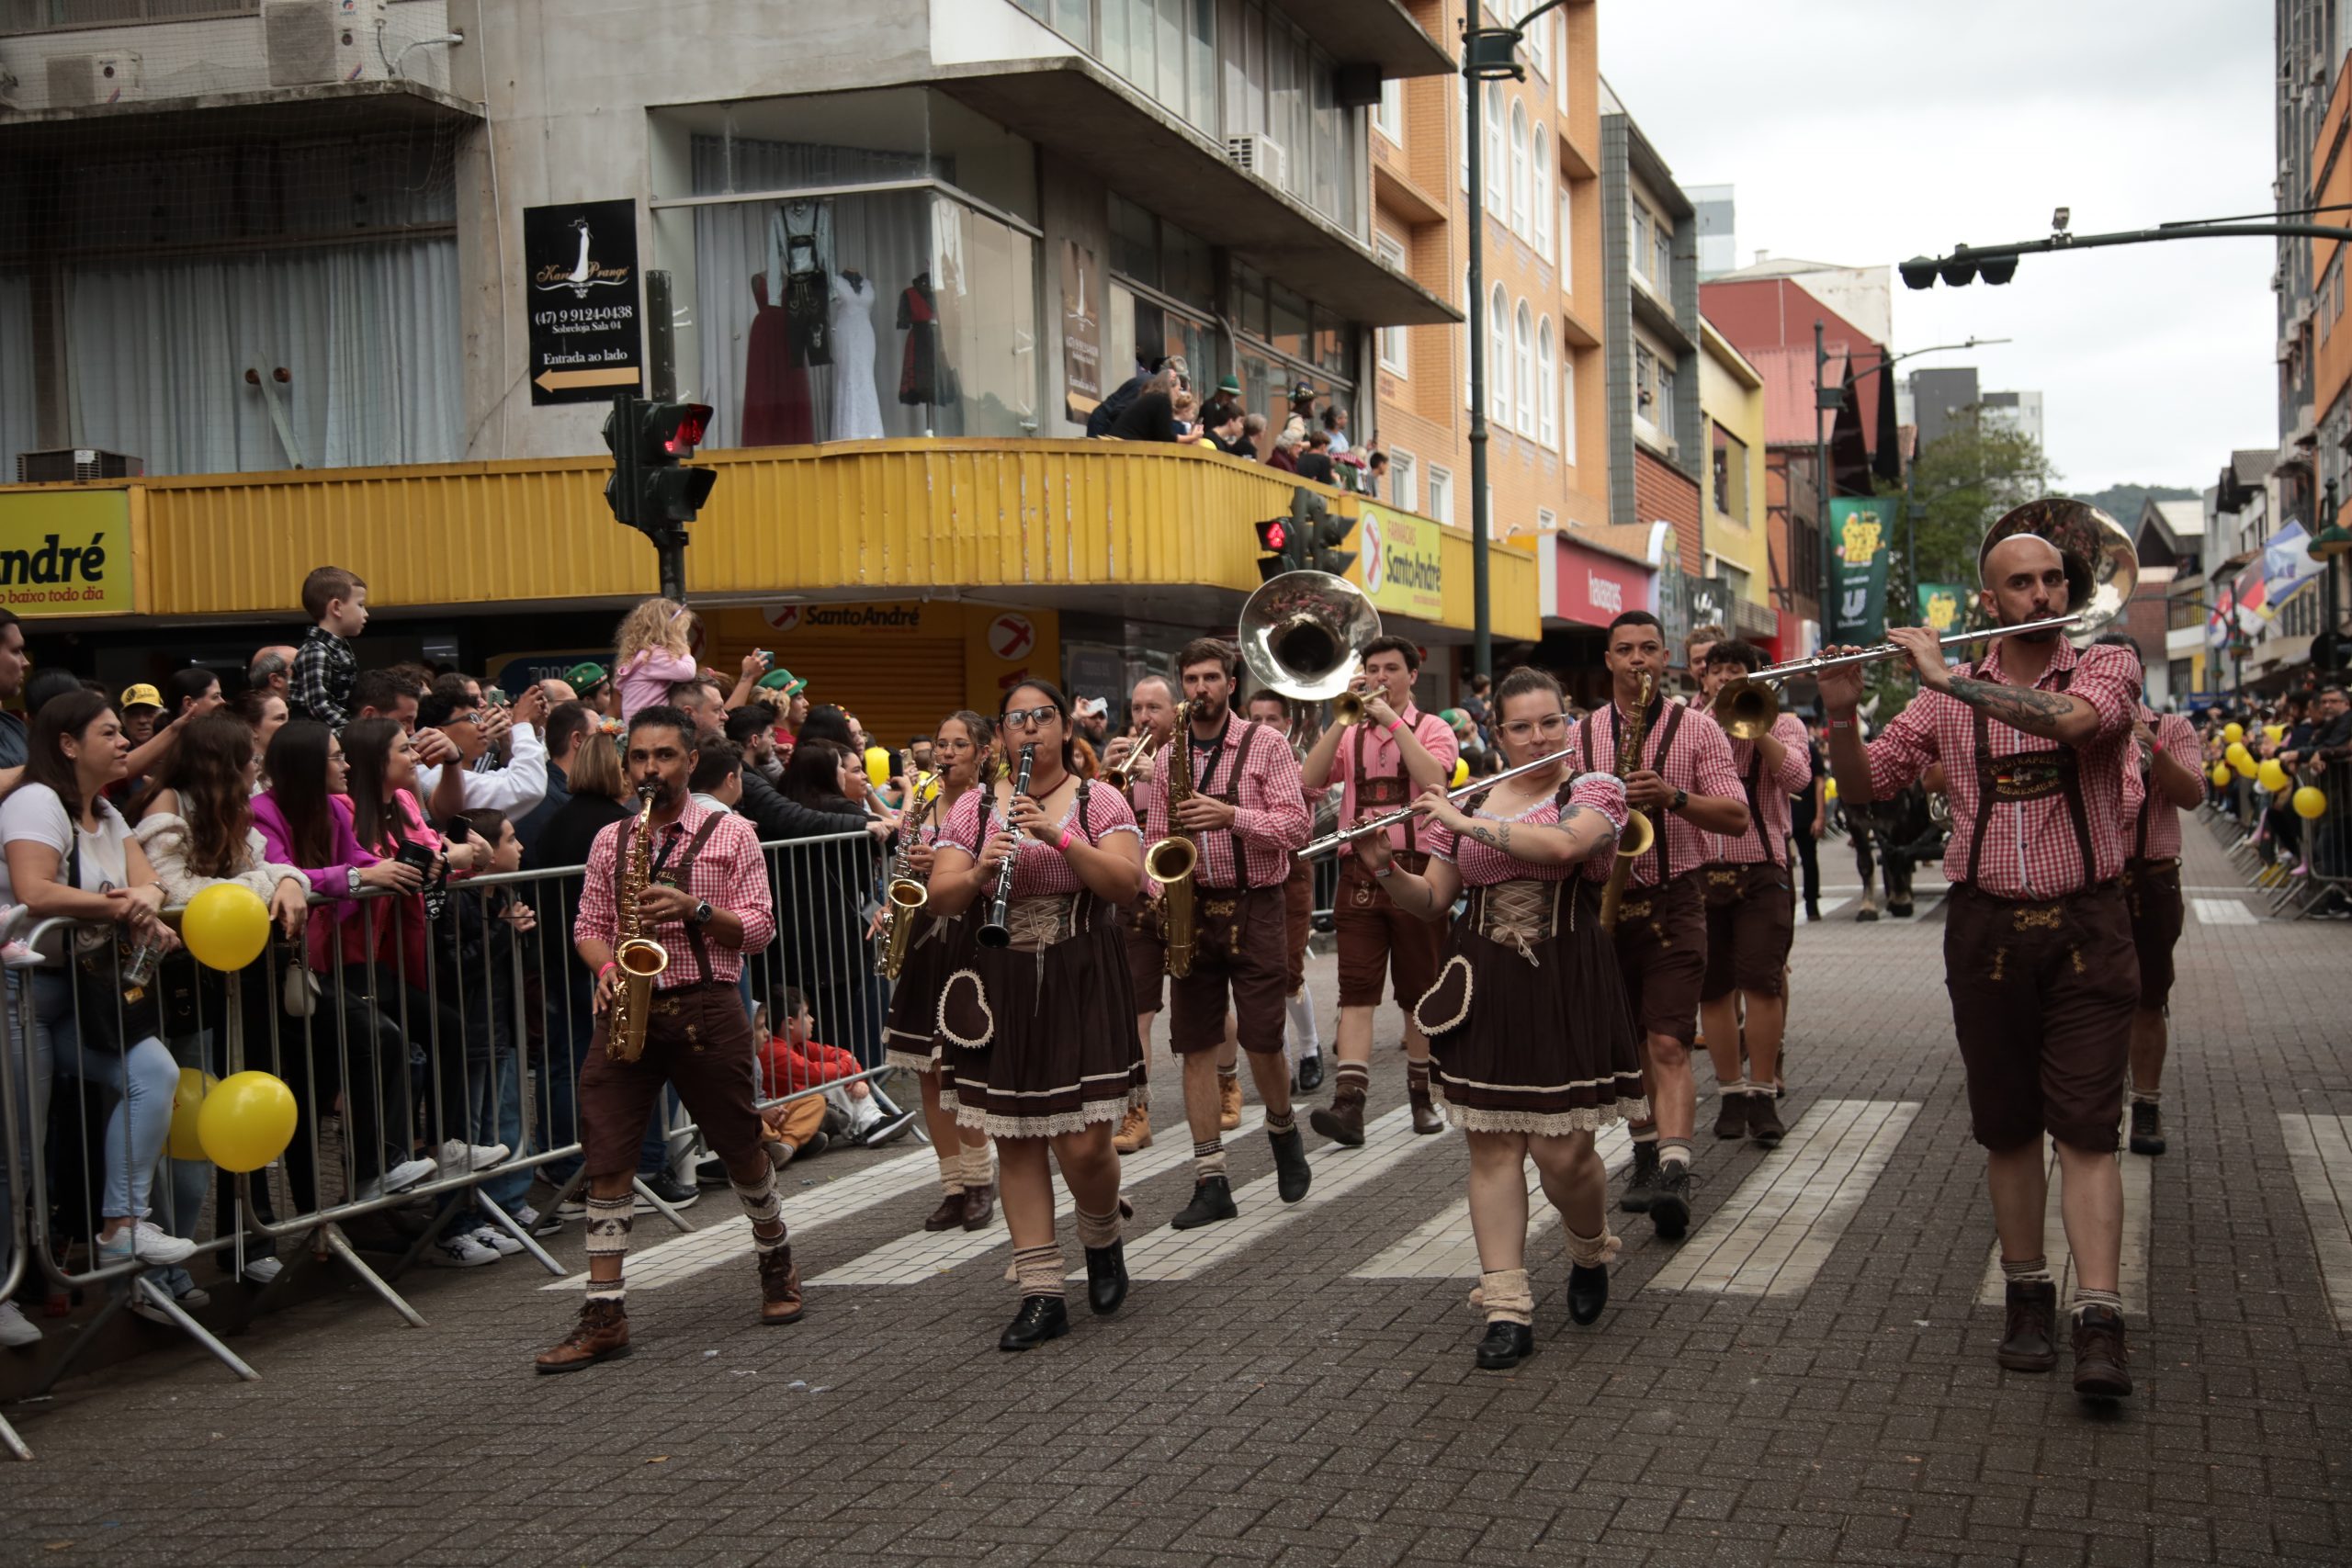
460, 1251
144, 1240
16, 1330
497, 1240
407, 1174
262, 1270
458, 1156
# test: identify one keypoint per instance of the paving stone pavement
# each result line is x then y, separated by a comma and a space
1275, 1409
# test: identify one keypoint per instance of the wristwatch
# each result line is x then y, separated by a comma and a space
703, 912
1682, 799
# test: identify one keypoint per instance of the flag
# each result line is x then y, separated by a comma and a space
1859, 536
2288, 567
2223, 618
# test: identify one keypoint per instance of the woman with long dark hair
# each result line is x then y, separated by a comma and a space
1040, 1050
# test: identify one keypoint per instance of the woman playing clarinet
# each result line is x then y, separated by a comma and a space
1038, 1028
1531, 1039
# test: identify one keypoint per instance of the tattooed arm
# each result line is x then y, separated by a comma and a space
2053, 715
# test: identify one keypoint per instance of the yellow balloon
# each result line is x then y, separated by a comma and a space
877, 766
246, 1120
1829, 788
1461, 773
2237, 754
2233, 733
2276, 731
187, 1100
2244, 764
2310, 802
2270, 776
2220, 775
226, 926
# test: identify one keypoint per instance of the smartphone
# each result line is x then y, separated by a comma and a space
457, 830
766, 659
496, 697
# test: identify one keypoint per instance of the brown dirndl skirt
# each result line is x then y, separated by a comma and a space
1528, 1023
910, 1029
1039, 1038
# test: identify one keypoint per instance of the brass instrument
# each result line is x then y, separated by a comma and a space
998, 933
1118, 778
1299, 633
903, 896
1475, 786
640, 956
1171, 862
1637, 836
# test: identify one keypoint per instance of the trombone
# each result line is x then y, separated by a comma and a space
1747, 706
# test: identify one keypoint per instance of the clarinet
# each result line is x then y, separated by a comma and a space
996, 934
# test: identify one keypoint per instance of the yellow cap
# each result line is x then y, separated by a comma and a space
141, 696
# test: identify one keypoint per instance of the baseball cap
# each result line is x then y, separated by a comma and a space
783, 680
584, 674
141, 696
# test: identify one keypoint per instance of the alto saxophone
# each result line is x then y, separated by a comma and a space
1171, 862
640, 956
1636, 839
904, 894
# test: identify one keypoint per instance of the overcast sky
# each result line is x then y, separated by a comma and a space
1866, 131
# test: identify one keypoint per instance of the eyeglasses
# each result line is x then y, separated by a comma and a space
465, 718
1550, 724
1032, 718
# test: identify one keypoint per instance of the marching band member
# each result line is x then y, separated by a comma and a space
1273, 709
1685, 783
1751, 914
1041, 1050
1391, 755
1245, 814
1529, 1030
1152, 705
938, 948
2035, 740
2168, 750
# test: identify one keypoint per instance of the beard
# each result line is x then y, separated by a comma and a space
1208, 710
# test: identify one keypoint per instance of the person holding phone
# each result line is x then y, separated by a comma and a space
472, 730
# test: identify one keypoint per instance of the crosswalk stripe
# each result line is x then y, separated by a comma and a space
804, 1211
2318, 1152
1170, 1254
1777, 1229
1444, 1248
2132, 1271
911, 1259
2221, 912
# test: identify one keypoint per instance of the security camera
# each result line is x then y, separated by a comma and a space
2060, 218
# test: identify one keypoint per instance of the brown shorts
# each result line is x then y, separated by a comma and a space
2152, 895
2042, 998
1147, 956
1375, 936
1238, 954
1750, 923
1662, 952
1298, 914
699, 1043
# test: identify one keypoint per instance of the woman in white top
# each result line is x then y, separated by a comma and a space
57, 817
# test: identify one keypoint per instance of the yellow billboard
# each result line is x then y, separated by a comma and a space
1398, 563
65, 552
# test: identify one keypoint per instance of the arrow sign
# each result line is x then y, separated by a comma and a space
563, 381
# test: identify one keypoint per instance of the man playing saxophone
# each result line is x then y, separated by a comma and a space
699, 890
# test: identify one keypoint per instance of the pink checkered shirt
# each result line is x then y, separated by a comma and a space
1767, 838
1383, 759
1038, 868
1270, 818
2029, 848
2156, 825
1482, 865
1698, 760
729, 874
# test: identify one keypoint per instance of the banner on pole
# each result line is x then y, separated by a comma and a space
1942, 606
1858, 528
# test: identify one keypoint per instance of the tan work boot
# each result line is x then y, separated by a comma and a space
601, 1335
1229, 1101
1135, 1133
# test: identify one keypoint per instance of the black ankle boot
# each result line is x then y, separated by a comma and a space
1212, 1201
1587, 1292
1505, 1346
1106, 1278
1293, 1174
1641, 1185
1040, 1318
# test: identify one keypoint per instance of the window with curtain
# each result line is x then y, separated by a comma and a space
19, 429
1547, 376
1497, 166
1540, 201
1523, 363
1521, 183
1499, 356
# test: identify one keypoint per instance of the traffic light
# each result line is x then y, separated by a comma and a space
1306, 540
1957, 270
649, 490
1275, 538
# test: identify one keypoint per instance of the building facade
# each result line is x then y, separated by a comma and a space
1731, 400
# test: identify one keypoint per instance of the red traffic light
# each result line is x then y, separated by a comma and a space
1274, 535
674, 430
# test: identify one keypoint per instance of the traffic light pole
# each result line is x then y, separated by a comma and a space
662, 347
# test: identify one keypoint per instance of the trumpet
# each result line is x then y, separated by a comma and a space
1746, 708
1324, 846
1124, 774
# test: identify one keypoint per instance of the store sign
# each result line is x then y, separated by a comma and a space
1012, 636
580, 276
844, 617
67, 552
1081, 330
1593, 589
1398, 562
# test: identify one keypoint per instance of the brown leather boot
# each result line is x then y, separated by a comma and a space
1228, 1102
949, 1214
980, 1206
1425, 1116
2026, 1344
601, 1335
1135, 1132
779, 1287
1342, 1120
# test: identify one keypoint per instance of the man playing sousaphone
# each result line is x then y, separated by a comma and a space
2035, 740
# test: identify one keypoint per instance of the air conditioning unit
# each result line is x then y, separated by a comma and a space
89, 81
312, 41
1261, 156
76, 465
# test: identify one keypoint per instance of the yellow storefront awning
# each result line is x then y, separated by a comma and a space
1158, 532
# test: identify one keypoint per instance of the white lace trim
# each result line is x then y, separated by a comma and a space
1059, 1125
1544, 1124
982, 991
918, 1062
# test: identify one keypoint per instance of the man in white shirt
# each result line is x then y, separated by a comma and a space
515, 788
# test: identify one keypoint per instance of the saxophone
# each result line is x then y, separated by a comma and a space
1636, 839
1171, 862
904, 894
640, 956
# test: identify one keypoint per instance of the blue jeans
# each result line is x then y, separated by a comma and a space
142, 1079
498, 1118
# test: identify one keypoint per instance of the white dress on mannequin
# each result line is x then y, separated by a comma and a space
857, 404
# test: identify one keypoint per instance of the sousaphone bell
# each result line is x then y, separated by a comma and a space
1299, 634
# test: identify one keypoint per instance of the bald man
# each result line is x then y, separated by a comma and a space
271, 670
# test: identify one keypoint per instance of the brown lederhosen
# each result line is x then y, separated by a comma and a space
2152, 893
2041, 990
1375, 936
1661, 930
698, 1039
1299, 918
1751, 919
1235, 951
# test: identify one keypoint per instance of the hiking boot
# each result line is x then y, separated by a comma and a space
1342, 1120
779, 1287
1764, 1121
1640, 1186
1135, 1132
1731, 1119
1212, 1201
1229, 1101
601, 1335
2147, 1128
2100, 1368
1670, 1202
2025, 1344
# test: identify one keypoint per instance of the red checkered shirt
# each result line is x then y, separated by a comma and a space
1767, 838
1270, 817
2029, 850
729, 874
2156, 821
1482, 865
1038, 868
1383, 759
1699, 760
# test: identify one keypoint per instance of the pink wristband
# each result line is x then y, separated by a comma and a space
1062, 843
610, 964
1396, 725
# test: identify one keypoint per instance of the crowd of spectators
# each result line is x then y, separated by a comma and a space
1158, 403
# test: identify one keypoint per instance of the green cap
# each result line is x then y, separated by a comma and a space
584, 674
1229, 384
783, 680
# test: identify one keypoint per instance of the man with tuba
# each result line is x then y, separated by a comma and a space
699, 891
1682, 781
1244, 814
2035, 740
1752, 907
1384, 760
